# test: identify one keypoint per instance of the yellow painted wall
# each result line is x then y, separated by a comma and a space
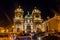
58, 23
54, 24
58, 27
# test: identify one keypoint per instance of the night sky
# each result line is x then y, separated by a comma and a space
7, 7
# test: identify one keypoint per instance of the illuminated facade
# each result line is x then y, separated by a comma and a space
30, 23
53, 24
33, 22
18, 19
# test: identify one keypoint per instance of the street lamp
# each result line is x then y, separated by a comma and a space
2, 31
6, 30
12, 28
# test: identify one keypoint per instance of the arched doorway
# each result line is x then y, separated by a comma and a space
28, 28
17, 27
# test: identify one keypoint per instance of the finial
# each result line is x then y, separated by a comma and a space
28, 12
48, 17
35, 7
19, 6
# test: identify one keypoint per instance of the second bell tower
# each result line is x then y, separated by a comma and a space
18, 19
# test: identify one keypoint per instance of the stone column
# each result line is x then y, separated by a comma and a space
31, 28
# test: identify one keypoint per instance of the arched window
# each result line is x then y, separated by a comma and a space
17, 27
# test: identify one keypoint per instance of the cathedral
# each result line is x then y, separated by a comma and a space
33, 22
30, 23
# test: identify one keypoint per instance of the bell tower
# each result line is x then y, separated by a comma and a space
18, 19
19, 13
36, 13
37, 21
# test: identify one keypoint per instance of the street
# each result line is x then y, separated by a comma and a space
45, 38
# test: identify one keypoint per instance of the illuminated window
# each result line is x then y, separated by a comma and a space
37, 16
17, 27
25, 27
28, 20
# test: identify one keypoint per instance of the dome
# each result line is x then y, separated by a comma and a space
19, 9
35, 10
28, 15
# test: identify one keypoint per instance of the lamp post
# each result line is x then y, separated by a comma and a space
12, 28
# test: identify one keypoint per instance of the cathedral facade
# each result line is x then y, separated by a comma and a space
33, 22
30, 23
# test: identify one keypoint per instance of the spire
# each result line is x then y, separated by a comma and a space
28, 12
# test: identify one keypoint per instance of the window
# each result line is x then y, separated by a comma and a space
17, 27
28, 20
37, 15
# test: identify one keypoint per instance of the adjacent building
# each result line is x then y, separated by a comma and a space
33, 22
